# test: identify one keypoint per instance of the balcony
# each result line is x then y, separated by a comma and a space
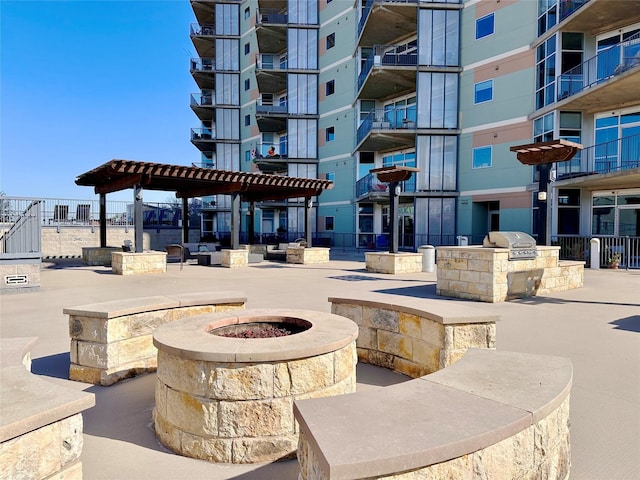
271, 29
270, 117
383, 21
389, 129
594, 16
388, 70
271, 72
270, 158
613, 164
203, 38
204, 10
607, 81
371, 189
204, 139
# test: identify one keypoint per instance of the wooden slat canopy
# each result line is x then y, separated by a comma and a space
546, 152
190, 182
394, 173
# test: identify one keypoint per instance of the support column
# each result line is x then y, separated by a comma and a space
185, 220
393, 216
103, 220
235, 221
308, 235
137, 218
543, 183
251, 223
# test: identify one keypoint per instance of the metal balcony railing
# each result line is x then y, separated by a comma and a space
370, 184
400, 118
271, 62
567, 7
387, 55
203, 99
278, 149
265, 16
613, 156
202, 64
267, 109
607, 64
204, 30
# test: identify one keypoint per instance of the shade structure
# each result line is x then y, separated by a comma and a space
546, 152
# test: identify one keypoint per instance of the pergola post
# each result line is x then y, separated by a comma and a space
235, 221
393, 214
251, 222
103, 220
185, 219
137, 217
543, 210
308, 204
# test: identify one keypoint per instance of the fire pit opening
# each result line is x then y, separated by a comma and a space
263, 328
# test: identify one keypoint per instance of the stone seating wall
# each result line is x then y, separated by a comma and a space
113, 340
41, 422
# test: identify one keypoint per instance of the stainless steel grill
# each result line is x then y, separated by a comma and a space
521, 245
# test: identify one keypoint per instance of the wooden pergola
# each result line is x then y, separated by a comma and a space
543, 154
188, 182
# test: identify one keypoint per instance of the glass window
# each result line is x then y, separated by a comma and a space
330, 87
247, 120
246, 13
227, 19
546, 73
227, 52
330, 176
228, 124
484, 26
247, 84
438, 162
246, 48
483, 91
227, 89
482, 157
303, 48
330, 134
547, 15
438, 37
331, 40
328, 223
303, 94
438, 100
569, 212
302, 138
303, 12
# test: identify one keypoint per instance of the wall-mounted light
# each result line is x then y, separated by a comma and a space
542, 196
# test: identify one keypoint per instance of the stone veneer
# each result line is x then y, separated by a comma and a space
14, 272
385, 262
231, 399
411, 340
113, 340
98, 255
307, 255
487, 274
235, 258
136, 263
41, 424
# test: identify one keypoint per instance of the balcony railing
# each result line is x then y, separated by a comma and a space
203, 99
203, 64
276, 150
400, 118
567, 7
607, 64
269, 16
608, 157
387, 55
370, 184
268, 109
203, 134
205, 30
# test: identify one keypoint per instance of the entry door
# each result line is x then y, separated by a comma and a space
405, 228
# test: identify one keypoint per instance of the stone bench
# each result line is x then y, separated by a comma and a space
492, 414
113, 340
41, 422
417, 337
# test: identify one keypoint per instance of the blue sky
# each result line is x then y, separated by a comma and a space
82, 82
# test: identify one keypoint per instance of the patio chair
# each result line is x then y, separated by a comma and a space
60, 213
175, 252
82, 212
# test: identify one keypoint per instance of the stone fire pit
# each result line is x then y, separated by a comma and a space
230, 400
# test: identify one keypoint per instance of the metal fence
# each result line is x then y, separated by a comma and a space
627, 249
20, 223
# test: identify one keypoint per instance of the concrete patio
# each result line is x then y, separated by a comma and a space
597, 327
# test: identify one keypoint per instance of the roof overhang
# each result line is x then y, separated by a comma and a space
546, 152
394, 173
188, 181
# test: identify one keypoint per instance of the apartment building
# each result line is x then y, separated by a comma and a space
335, 88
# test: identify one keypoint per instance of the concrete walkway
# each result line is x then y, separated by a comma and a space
598, 327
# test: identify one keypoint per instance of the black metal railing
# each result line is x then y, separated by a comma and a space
607, 64
204, 30
265, 16
607, 157
387, 55
396, 118
626, 250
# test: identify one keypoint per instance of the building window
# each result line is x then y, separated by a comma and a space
569, 212
483, 91
484, 26
247, 84
247, 120
248, 156
438, 37
331, 87
330, 134
246, 48
547, 15
331, 40
328, 223
330, 176
482, 157
246, 13
546, 73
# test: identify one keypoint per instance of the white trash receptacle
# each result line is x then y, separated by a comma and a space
462, 241
428, 257
595, 253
